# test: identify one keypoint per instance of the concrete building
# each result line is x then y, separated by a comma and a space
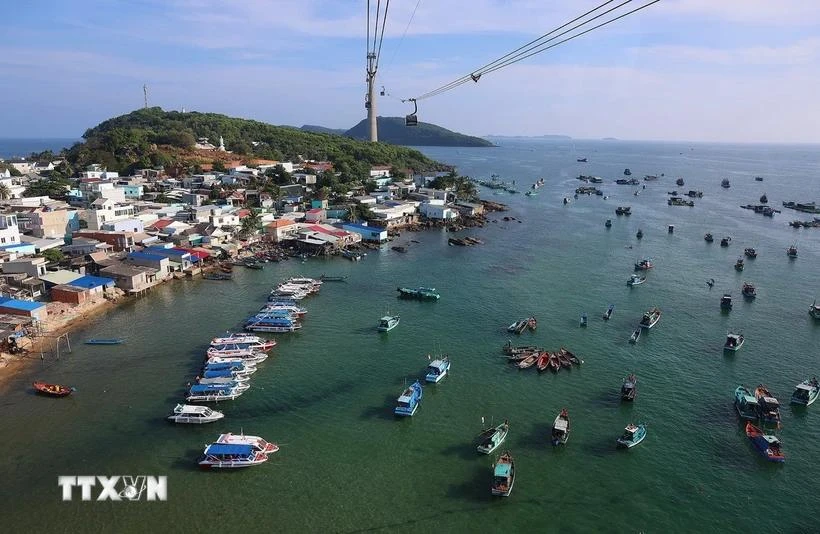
131, 278
9, 230
35, 267
161, 264
105, 210
45, 222
371, 234
281, 229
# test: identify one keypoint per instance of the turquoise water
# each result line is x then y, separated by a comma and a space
346, 465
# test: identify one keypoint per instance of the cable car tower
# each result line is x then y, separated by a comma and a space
370, 99
374, 49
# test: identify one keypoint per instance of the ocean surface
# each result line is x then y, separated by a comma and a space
327, 393
16, 148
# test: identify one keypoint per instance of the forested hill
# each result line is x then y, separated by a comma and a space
151, 137
392, 130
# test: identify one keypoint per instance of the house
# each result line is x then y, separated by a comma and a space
70, 294
46, 222
105, 210
366, 200
437, 209
335, 236
130, 225
9, 230
59, 277
131, 191
35, 267
373, 234
96, 285
280, 229
318, 166
315, 215
119, 240
23, 167
304, 178
90, 189
179, 260
161, 264
380, 171
469, 208
82, 246
131, 278
35, 310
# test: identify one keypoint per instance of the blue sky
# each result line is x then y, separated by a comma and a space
728, 70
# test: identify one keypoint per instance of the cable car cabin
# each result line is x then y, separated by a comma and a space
411, 120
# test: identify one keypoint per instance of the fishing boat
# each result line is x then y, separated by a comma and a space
629, 388
814, 310
733, 342
420, 293
110, 341
388, 323
639, 235
504, 473
408, 401
746, 404
749, 291
710, 283
636, 335
726, 302
217, 276
52, 390
259, 444
438, 369
766, 444
560, 428
584, 318
708, 238
758, 178
490, 438
230, 456
608, 312
581, 160
555, 363
528, 362
253, 264
792, 251
326, 278
572, 357
725, 241
739, 265
750, 252
768, 406
543, 361
608, 223
644, 265
764, 199
806, 392
679, 181
725, 183
563, 359
518, 326
196, 415
650, 318
627, 172
633, 434
635, 280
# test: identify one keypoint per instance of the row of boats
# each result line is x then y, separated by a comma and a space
282, 313
526, 356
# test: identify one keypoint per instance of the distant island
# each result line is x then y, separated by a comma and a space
393, 131
609, 139
546, 136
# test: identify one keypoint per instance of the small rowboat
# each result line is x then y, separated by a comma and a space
572, 357
555, 364
53, 390
112, 341
563, 359
528, 362
543, 361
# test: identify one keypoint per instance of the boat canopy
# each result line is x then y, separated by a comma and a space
229, 448
771, 439
805, 387
771, 401
185, 409
502, 470
437, 365
749, 399
208, 388
561, 424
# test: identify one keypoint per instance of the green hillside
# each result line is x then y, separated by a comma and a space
322, 129
392, 130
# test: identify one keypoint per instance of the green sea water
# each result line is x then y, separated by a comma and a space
327, 393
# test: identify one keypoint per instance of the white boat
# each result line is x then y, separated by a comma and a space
240, 384
438, 369
650, 318
187, 413
230, 456
635, 280
213, 392
236, 351
305, 281
242, 354
259, 357
806, 392
258, 444
274, 307
388, 323
636, 335
733, 341
239, 339
490, 438
814, 310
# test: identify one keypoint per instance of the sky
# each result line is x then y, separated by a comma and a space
695, 70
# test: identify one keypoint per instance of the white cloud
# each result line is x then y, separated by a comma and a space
803, 52
766, 12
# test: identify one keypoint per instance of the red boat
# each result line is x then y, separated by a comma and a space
53, 390
543, 361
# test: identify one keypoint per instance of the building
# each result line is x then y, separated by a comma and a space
124, 225
179, 260
437, 209
380, 171
280, 230
35, 267
372, 234
96, 285
119, 240
45, 222
81, 246
70, 294
35, 310
315, 215
60, 277
161, 264
9, 231
105, 210
131, 278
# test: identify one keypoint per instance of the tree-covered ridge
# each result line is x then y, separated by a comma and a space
392, 130
151, 137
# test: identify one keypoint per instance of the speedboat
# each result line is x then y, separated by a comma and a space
241, 339
733, 342
806, 392
503, 475
768, 406
560, 428
635, 280
746, 404
636, 335
644, 265
388, 323
233, 364
650, 318
749, 290
633, 434
766, 444
224, 375
438, 369
213, 392
230, 456
258, 444
237, 350
408, 401
608, 312
629, 389
726, 302
258, 357
197, 415
240, 385
814, 310
490, 438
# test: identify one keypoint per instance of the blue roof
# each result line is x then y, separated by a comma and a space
146, 256
166, 251
24, 305
364, 228
90, 282
228, 448
502, 470
217, 373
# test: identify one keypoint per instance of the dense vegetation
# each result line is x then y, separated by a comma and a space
323, 129
152, 137
392, 130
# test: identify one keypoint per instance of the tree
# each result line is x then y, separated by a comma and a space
219, 166
250, 224
5, 192
279, 175
53, 255
359, 212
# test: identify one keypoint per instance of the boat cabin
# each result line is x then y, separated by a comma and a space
501, 476
227, 452
802, 393
437, 369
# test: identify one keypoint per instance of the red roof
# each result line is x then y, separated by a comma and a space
279, 223
323, 230
315, 211
242, 213
160, 224
201, 254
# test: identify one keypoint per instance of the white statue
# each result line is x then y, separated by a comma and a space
221, 144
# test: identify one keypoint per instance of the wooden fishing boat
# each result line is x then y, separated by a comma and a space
564, 360
792, 252
503, 475
768, 406
629, 388
509, 348
767, 445
543, 361
560, 428
633, 434
746, 404
636, 335
572, 357
490, 438
52, 390
708, 238
733, 342
555, 364
583, 320
100, 341
528, 362
806, 392
650, 318
739, 264
608, 312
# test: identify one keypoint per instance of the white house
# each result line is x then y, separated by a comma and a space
437, 209
9, 231
380, 171
105, 210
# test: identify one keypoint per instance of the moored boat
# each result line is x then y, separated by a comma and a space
733, 342
543, 361
503, 475
636, 335
746, 404
490, 438
572, 357
768, 406
197, 415
814, 310
633, 434
528, 362
806, 392
750, 252
259, 444
560, 428
388, 323
725, 241
213, 392
739, 264
584, 319
608, 223
792, 251
766, 444
629, 388
437, 369
408, 401
555, 363
635, 280
708, 238
52, 390
764, 199
230, 456
725, 183
110, 341
608, 312
644, 265
231, 338
749, 290
650, 318
726, 302
420, 293
563, 359
639, 234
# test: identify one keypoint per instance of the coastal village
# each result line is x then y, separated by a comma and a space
108, 238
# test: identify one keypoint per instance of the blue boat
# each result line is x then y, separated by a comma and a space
231, 456
225, 373
746, 404
633, 434
408, 401
112, 341
230, 366
767, 445
438, 369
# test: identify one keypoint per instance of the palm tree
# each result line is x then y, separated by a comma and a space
5, 192
250, 224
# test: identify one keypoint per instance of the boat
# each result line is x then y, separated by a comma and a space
750, 252
633, 434
504, 473
710, 283
746, 404
543, 361
230, 456
636, 335
635, 280
726, 302
623, 210
566, 201
768, 406
518, 326
758, 178
733, 342
214, 392
197, 415
749, 291
806, 392
572, 357
725, 183
608, 312
438, 369
240, 339
217, 276
326, 278
581, 160
490, 438
792, 251
528, 362
238, 350
639, 235
725, 241
766, 444
739, 265
650, 318
814, 310
52, 390
252, 264
584, 318
608, 223
679, 181
421, 293
563, 359
110, 341
708, 238
532, 323
627, 172
388, 323
629, 388
408, 401
764, 199
554, 363
258, 444
644, 265
560, 428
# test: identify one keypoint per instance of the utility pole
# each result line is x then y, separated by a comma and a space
370, 104
145, 94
